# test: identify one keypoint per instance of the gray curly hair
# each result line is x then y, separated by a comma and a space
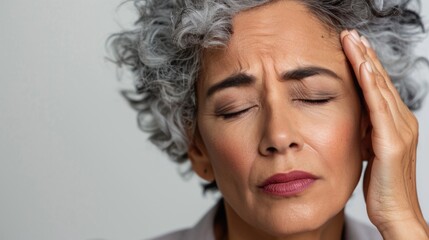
164, 52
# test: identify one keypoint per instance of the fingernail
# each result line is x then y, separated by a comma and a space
355, 35
365, 42
352, 39
368, 66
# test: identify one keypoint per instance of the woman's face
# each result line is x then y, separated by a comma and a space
279, 99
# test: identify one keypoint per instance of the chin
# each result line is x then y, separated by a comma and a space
297, 221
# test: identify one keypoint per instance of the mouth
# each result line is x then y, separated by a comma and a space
288, 184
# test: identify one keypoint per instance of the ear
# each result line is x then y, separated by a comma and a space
366, 141
197, 153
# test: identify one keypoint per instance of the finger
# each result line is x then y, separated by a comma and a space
355, 38
378, 65
373, 55
402, 114
378, 107
359, 50
351, 48
382, 78
388, 95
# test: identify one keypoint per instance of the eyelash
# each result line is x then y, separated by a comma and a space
314, 101
231, 115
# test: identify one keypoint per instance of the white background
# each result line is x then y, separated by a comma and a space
73, 164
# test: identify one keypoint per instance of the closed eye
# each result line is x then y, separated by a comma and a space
314, 101
231, 115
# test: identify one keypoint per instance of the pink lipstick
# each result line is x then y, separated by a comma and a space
288, 184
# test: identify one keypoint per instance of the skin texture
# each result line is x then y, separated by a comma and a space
316, 124
390, 179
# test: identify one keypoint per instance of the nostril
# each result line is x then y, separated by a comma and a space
271, 150
293, 145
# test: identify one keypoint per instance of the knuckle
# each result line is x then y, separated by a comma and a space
389, 97
381, 81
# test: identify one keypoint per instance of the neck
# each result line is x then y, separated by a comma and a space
229, 226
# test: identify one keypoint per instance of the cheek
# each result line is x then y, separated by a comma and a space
230, 152
337, 137
337, 142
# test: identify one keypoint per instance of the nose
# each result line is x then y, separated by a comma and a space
280, 131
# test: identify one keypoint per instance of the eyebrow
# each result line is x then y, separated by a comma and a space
242, 79
236, 80
305, 72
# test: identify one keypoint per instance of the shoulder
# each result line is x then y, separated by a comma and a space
202, 230
355, 230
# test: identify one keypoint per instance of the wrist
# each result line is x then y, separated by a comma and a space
408, 229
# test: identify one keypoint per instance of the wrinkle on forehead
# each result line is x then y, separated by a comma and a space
267, 23
260, 32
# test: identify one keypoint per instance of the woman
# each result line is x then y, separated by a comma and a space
277, 106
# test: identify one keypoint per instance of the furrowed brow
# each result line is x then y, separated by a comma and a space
237, 80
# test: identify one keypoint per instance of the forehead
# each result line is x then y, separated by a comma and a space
283, 32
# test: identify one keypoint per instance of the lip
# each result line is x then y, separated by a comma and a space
288, 184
